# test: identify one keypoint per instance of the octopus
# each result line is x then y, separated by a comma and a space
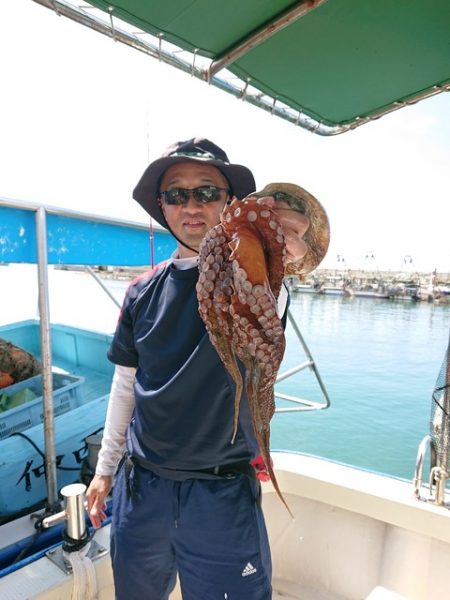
16, 364
242, 264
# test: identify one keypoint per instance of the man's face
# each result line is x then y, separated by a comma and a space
191, 221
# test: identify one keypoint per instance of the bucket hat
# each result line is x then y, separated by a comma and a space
201, 150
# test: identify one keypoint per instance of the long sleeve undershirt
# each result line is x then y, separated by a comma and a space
121, 399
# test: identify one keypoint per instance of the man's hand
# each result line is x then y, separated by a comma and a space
96, 495
294, 225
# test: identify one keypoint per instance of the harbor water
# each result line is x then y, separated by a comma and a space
379, 360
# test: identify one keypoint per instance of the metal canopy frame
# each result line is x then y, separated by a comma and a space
107, 23
259, 36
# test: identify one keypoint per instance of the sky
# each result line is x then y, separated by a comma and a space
81, 117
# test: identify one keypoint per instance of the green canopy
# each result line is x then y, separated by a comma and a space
328, 65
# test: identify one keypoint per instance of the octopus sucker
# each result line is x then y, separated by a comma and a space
243, 263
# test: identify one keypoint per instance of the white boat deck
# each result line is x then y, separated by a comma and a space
355, 536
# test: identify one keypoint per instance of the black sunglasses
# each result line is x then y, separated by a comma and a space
203, 194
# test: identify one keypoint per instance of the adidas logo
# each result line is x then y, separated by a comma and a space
249, 569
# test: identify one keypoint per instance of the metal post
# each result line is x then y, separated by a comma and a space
440, 476
74, 502
77, 541
311, 360
73, 513
102, 285
426, 443
47, 383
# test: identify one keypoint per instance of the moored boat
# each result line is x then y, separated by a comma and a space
81, 377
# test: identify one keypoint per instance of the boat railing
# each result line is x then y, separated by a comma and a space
102, 285
438, 476
425, 445
301, 404
438, 441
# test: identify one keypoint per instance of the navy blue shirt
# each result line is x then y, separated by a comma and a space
184, 396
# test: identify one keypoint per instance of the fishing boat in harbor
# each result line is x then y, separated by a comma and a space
372, 291
366, 286
356, 534
81, 378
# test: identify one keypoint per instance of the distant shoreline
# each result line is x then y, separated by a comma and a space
419, 277
441, 277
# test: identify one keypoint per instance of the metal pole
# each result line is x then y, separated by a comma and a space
289, 372
264, 33
309, 355
426, 443
47, 383
102, 285
73, 513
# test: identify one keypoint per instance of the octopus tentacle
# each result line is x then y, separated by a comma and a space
242, 264
214, 290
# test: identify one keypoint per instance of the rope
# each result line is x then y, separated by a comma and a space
38, 518
84, 579
25, 437
42, 455
72, 545
436, 400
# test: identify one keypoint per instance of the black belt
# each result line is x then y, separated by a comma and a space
229, 470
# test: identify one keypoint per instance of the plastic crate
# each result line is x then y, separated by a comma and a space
67, 395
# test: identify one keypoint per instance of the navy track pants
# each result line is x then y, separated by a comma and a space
210, 531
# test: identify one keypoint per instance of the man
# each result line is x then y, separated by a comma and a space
185, 500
